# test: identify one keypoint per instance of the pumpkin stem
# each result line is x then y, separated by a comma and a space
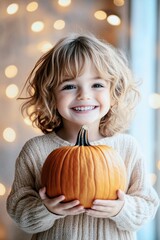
82, 138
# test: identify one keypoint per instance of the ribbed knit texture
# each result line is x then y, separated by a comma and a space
26, 208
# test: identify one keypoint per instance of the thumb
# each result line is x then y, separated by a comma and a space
42, 193
121, 195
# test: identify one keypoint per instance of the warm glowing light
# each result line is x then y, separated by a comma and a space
9, 135
44, 46
2, 189
31, 109
12, 91
12, 8
32, 6
37, 26
154, 100
59, 24
158, 165
3, 231
28, 121
11, 71
114, 20
153, 178
100, 15
64, 3
118, 3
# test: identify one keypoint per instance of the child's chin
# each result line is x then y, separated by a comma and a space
87, 123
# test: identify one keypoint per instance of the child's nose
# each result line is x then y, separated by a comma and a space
83, 94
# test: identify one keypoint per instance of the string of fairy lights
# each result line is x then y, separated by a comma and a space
11, 71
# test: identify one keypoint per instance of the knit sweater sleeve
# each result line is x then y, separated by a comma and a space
141, 200
24, 204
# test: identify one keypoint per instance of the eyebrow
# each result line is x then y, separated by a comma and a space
67, 80
72, 79
97, 78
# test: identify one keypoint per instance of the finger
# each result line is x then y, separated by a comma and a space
42, 193
99, 208
97, 214
77, 209
103, 202
79, 212
100, 202
57, 200
74, 210
70, 204
121, 195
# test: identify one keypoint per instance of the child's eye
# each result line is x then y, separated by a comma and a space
69, 87
97, 85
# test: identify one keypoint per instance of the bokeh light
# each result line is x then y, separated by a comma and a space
12, 8
32, 6
59, 24
64, 3
9, 134
158, 165
100, 15
2, 189
27, 121
154, 100
153, 178
113, 20
118, 3
44, 46
37, 26
12, 91
11, 71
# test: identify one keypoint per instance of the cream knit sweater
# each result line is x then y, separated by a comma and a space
26, 208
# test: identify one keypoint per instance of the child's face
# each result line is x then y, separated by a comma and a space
84, 100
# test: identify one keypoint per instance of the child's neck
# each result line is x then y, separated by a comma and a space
70, 135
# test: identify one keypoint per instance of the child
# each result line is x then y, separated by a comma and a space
81, 80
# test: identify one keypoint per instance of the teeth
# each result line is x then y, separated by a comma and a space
84, 108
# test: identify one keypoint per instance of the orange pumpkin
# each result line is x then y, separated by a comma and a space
84, 172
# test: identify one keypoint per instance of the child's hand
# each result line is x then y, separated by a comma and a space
56, 206
107, 208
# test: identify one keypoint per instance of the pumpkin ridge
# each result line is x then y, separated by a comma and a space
64, 183
95, 184
74, 171
83, 171
54, 183
108, 172
91, 186
110, 164
77, 187
57, 169
49, 180
46, 171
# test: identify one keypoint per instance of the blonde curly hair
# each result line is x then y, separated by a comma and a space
68, 57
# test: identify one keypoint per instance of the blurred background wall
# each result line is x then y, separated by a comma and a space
28, 29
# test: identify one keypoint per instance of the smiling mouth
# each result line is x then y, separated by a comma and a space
84, 108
